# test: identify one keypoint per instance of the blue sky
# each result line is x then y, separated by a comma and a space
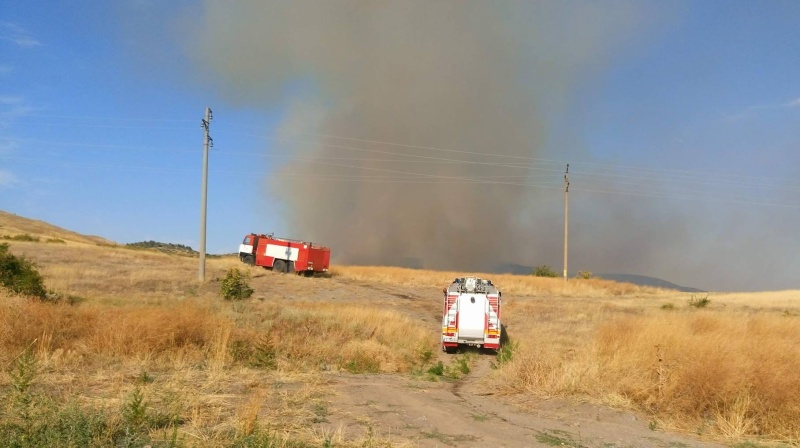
97, 139
693, 107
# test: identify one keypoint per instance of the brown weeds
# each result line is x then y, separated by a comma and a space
726, 373
729, 369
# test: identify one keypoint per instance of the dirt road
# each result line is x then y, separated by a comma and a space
460, 413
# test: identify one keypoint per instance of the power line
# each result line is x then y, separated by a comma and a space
86, 117
669, 172
428, 179
590, 181
683, 176
620, 180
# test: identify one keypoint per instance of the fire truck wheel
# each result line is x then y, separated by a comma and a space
248, 259
290, 267
279, 266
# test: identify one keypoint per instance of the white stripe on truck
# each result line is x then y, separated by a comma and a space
282, 252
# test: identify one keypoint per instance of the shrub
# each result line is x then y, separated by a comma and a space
699, 302
584, 275
22, 237
544, 271
257, 354
437, 369
163, 247
20, 275
506, 353
235, 285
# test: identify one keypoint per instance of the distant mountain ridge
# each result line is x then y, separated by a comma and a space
644, 280
641, 280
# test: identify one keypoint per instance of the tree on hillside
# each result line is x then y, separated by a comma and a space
544, 271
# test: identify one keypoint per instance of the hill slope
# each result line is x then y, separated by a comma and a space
12, 225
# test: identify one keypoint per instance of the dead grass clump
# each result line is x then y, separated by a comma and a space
734, 370
733, 375
104, 330
303, 335
153, 330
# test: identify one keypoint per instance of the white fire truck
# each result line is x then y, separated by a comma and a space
471, 314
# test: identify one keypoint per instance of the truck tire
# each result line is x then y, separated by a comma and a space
249, 259
279, 266
290, 267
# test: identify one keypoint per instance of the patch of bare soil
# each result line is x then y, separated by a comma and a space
462, 414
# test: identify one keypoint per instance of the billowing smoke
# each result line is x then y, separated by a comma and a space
422, 133
468, 88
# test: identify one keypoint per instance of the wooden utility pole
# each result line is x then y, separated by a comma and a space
207, 142
566, 220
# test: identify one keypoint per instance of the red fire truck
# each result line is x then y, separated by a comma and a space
284, 255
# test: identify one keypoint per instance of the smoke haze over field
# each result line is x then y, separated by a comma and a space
470, 100
467, 76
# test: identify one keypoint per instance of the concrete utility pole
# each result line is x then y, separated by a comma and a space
566, 219
207, 142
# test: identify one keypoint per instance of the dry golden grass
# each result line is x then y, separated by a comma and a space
776, 300
145, 311
298, 336
729, 373
226, 368
12, 225
509, 284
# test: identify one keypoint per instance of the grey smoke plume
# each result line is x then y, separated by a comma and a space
490, 82
471, 76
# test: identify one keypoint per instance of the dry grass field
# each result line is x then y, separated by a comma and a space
146, 344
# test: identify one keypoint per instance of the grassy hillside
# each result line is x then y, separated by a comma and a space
12, 225
151, 353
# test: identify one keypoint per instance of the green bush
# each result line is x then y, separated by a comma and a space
544, 271
506, 353
437, 369
20, 275
461, 365
22, 237
235, 285
584, 275
699, 302
258, 355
